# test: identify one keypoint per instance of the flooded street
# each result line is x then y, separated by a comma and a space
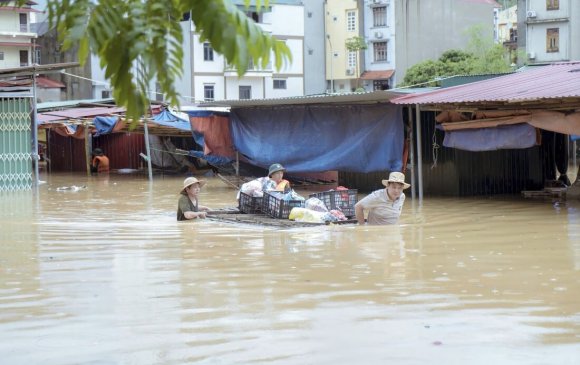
106, 275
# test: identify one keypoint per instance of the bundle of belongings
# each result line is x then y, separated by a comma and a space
315, 211
257, 187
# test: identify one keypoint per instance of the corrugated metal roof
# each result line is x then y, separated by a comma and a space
551, 82
42, 82
371, 97
29, 70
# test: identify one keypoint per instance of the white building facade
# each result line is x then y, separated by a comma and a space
552, 30
16, 37
379, 33
213, 79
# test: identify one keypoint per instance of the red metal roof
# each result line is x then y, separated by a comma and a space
42, 82
85, 112
555, 81
377, 75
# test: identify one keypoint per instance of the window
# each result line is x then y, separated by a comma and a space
1, 56
380, 51
279, 84
37, 56
158, 92
552, 39
351, 59
245, 92
552, 4
208, 92
105, 94
380, 16
351, 20
207, 52
23, 22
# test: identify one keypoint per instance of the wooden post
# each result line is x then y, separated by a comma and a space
412, 152
148, 150
88, 145
419, 152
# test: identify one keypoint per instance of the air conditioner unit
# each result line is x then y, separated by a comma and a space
379, 35
531, 14
532, 55
350, 71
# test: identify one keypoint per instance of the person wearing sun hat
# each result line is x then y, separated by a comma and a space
188, 205
384, 206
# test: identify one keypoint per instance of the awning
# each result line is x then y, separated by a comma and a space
42, 82
377, 75
18, 44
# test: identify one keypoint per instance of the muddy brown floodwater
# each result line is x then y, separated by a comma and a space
105, 275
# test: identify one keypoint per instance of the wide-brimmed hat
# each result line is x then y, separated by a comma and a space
396, 177
190, 181
98, 152
275, 168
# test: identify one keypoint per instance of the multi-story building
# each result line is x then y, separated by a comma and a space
206, 75
314, 50
209, 77
398, 34
379, 31
17, 40
342, 19
507, 30
549, 30
426, 29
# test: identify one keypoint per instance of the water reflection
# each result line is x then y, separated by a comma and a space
105, 275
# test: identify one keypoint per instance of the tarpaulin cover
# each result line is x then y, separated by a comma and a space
212, 160
357, 138
490, 139
574, 137
217, 140
104, 125
168, 119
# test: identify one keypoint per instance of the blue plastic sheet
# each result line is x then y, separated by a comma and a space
104, 125
574, 137
357, 138
211, 159
169, 119
515, 136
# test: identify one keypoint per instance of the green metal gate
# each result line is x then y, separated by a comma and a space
15, 144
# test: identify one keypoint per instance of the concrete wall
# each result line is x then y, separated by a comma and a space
426, 29
314, 39
566, 19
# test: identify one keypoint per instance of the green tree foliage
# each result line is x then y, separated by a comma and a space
139, 41
355, 44
481, 57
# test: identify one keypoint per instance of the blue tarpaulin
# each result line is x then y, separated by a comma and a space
169, 119
211, 159
357, 138
490, 139
574, 137
104, 125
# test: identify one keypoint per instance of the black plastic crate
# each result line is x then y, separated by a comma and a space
250, 204
276, 207
343, 200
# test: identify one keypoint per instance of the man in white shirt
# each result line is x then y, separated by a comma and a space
384, 205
